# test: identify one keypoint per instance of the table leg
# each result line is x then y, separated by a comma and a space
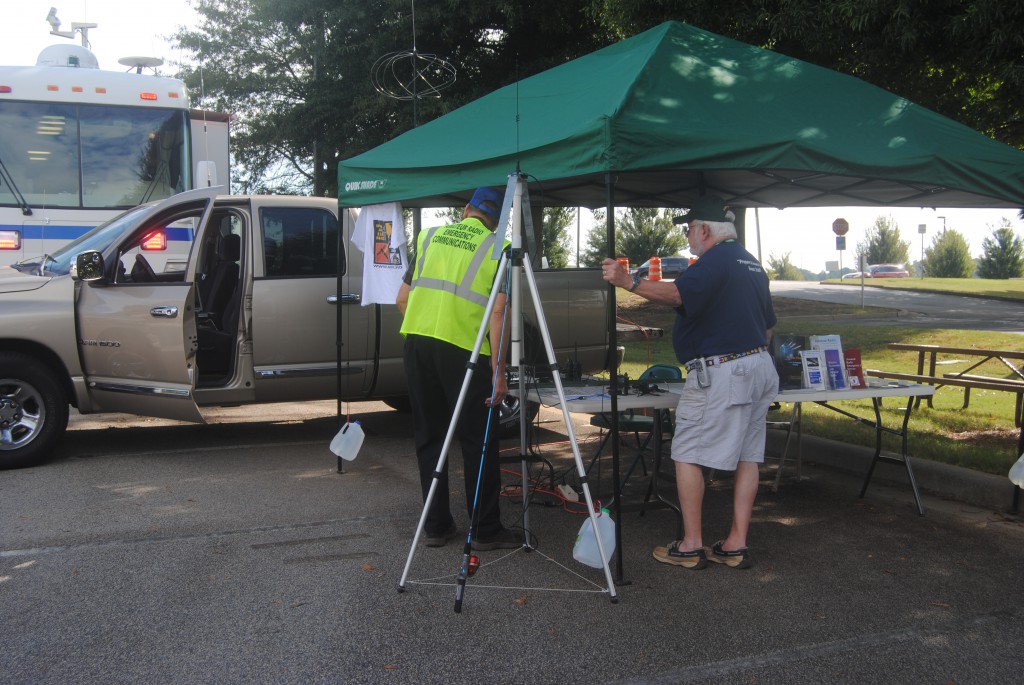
1016, 490
794, 419
904, 457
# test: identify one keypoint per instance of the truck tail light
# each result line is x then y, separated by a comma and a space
157, 240
10, 240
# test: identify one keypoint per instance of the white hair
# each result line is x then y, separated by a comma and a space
722, 229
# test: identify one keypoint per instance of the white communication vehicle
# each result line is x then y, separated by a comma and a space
79, 145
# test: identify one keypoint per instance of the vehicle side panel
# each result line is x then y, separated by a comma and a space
295, 306
138, 345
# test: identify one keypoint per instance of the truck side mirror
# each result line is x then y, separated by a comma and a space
89, 266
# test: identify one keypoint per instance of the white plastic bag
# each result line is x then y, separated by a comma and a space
585, 550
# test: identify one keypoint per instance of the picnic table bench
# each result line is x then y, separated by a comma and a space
966, 380
963, 379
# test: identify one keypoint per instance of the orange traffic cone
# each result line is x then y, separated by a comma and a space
654, 271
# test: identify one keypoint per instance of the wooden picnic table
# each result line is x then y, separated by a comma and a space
966, 380
934, 350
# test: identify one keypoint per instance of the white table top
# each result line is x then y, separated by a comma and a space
594, 399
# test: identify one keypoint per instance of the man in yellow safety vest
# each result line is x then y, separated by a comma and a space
443, 299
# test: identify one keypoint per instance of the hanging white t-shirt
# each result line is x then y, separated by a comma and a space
380, 235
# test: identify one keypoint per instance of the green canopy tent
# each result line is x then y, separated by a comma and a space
663, 117
671, 113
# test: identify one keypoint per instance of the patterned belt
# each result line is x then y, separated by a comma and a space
711, 361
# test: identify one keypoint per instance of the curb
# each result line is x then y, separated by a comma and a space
933, 478
976, 296
897, 315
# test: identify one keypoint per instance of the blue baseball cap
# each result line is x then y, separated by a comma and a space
487, 200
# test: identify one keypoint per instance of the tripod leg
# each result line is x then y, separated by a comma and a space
571, 434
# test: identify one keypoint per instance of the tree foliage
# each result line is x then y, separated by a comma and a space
963, 59
640, 233
596, 248
949, 256
782, 269
296, 75
643, 232
1002, 254
555, 238
882, 244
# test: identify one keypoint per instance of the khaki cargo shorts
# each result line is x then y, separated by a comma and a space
724, 424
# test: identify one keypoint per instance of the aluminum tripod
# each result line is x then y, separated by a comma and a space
511, 215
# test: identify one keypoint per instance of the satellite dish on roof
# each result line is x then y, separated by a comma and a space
140, 63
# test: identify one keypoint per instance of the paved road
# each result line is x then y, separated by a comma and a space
926, 309
152, 552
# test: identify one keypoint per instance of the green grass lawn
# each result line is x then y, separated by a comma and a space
982, 436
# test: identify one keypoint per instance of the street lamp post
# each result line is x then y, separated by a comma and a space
921, 228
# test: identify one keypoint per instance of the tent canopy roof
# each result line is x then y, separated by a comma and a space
676, 111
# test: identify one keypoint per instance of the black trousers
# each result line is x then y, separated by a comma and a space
435, 371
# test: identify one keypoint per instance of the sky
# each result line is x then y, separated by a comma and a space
806, 234
125, 28
141, 28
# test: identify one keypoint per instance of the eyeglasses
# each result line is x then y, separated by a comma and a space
686, 230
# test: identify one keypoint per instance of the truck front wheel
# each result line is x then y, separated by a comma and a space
33, 411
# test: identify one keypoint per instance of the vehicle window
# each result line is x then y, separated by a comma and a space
130, 156
98, 238
91, 155
49, 172
150, 256
300, 242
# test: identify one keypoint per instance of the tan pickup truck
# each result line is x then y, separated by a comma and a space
253, 311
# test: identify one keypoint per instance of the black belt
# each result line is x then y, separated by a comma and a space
721, 359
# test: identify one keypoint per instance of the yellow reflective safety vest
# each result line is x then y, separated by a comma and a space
451, 283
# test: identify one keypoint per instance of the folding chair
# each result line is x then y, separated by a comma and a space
632, 422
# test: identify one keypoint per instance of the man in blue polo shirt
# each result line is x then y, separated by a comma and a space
721, 334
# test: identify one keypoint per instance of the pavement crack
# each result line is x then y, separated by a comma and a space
37, 551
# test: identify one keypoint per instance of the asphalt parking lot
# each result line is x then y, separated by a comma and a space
154, 552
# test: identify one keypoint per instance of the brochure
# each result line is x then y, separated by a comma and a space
813, 376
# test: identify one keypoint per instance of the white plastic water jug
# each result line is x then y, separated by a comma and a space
1017, 472
347, 442
585, 550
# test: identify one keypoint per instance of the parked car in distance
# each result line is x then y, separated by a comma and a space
852, 274
887, 271
671, 267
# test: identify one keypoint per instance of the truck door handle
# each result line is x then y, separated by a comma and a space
164, 312
347, 298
